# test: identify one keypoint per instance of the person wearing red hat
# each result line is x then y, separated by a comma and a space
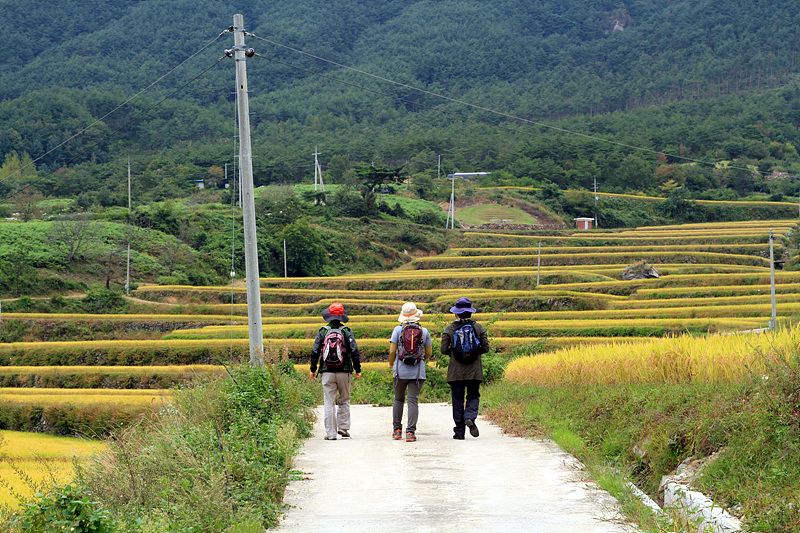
336, 353
464, 374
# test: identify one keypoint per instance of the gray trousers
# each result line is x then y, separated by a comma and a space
336, 394
400, 386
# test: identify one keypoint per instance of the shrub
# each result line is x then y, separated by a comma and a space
66, 508
219, 455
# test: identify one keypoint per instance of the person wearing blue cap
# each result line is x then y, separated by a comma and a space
464, 340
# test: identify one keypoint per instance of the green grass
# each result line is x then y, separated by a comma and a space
482, 214
645, 431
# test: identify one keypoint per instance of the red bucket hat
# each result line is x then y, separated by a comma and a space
335, 311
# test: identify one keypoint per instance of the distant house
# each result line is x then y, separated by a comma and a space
584, 222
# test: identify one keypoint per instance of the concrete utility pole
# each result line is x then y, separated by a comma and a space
595, 201
128, 268
255, 329
539, 264
317, 174
451, 211
774, 322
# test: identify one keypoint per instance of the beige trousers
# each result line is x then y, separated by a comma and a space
336, 394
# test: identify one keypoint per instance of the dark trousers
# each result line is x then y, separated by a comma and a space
462, 411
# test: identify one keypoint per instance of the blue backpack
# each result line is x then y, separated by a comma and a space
466, 345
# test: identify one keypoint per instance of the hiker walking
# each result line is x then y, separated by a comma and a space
464, 340
409, 348
336, 352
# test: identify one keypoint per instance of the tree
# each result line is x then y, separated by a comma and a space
26, 203
73, 237
17, 168
111, 261
424, 185
370, 177
669, 173
173, 252
19, 275
337, 166
634, 174
305, 253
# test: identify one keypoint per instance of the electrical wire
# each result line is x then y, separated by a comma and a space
100, 120
478, 107
29, 184
417, 104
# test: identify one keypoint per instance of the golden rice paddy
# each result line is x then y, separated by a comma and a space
30, 461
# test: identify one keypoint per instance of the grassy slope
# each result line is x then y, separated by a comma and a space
481, 214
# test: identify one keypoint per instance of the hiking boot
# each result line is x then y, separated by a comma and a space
458, 437
329, 438
410, 437
473, 429
398, 434
344, 433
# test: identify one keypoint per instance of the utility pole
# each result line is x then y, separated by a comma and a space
595, 201
539, 264
451, 212
774, 322
128, 267
255, 329
317, 173
439, 167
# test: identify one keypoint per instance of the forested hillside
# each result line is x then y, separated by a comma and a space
662, 97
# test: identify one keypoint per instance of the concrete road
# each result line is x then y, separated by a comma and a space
372, 483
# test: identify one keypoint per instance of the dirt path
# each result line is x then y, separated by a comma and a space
371, 483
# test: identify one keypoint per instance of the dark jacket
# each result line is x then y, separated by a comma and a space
352, 358
459, 371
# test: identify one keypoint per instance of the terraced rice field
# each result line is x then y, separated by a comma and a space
715, 278
29, 461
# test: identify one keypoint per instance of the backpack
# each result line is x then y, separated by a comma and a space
466, 344
410, 348
333, 347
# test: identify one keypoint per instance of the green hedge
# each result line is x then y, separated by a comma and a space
134, 356
97, 420
59, 380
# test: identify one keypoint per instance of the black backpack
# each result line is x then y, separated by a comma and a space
466, 344
410, 348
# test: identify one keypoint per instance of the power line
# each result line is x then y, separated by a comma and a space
100, 120
29, 184
478, 107
417, 104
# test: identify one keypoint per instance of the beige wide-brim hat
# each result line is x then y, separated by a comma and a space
409, 313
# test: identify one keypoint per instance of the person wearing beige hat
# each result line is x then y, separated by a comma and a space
409, 348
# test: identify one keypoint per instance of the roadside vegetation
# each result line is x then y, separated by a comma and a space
215, 458
635, 412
